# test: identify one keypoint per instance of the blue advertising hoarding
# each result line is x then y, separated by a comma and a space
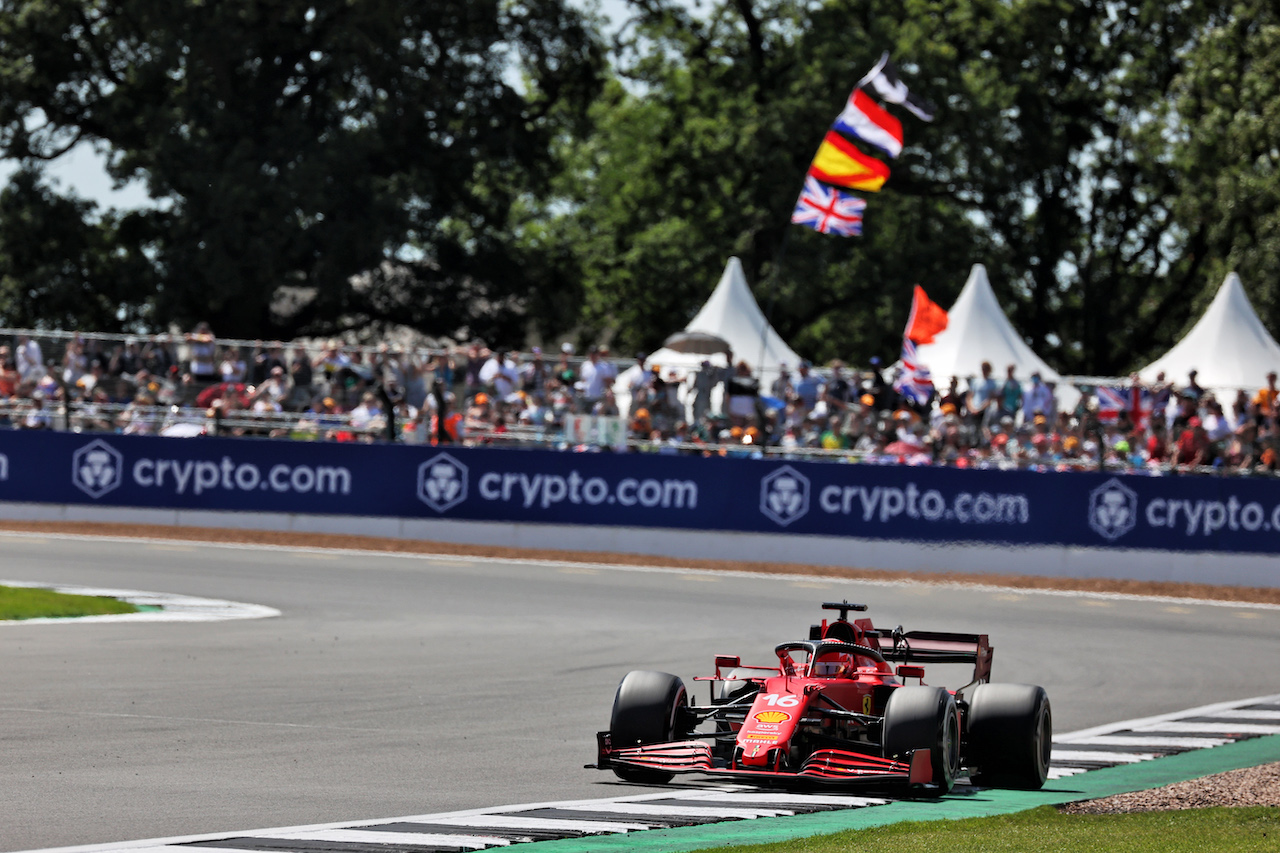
924, 504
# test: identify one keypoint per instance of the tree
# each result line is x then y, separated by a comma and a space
1045, 163
1227, 102
59, 270
293, 147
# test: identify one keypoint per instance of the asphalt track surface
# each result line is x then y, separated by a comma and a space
403, 684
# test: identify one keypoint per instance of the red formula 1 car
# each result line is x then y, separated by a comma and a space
836, 710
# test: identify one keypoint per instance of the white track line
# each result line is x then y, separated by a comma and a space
639, 806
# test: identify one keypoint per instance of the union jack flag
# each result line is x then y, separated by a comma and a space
828, 210
1137, 401
914, 381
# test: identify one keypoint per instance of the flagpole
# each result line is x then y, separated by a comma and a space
773, 293
884, 59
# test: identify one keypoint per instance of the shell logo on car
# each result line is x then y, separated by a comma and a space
773, 716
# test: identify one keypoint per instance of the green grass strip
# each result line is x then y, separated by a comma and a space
960, 805
21, 602
1221, 830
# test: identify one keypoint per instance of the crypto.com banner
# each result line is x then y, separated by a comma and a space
644, 490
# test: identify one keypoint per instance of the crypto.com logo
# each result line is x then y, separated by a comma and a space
784, 495
1113, 509
442, 482
97, 468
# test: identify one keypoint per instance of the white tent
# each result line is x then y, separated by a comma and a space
1229, 348
977, 331
731, 313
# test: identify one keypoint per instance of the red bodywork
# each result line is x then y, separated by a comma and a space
816, 716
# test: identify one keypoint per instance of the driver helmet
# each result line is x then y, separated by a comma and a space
834, 665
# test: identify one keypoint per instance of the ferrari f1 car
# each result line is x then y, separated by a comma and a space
837, 709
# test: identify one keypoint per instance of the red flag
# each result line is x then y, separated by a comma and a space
865, 119
927, 318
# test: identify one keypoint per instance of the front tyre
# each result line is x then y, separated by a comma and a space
646, 709
1010, 736
925, 718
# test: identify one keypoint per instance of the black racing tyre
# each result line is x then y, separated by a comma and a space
646, 709
925, 718
1010, 736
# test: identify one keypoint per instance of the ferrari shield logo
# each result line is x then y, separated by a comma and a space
442, 482
784, 495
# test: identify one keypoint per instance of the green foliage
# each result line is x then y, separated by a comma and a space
299, 144
1226, 156
63, 267
469, 168
1048, 162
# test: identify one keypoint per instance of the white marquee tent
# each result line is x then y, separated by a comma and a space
731, 313
1228, 347
977, 331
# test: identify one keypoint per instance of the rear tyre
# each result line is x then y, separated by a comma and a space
1010, 736
925, 718
646, 709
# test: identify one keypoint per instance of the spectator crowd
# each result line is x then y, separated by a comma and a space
195, 383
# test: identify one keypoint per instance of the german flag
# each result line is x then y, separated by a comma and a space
841, 164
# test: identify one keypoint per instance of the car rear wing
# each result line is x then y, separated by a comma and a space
939, 647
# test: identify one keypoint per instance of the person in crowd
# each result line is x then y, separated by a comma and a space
637, 382
952, 397
808, 386
479, 416
564, 371
28, 358
1193, 447
139, 417
325, 417
534, 373
232, 367
331, 361
203, 349
1193, 388
1264, 402
367, 414
702, 384
157, 356
74, 362
781, 387
118, 363
1010, 394
982, 401
597, 376
470, 366
9, 377
606, 406
500, 376
37, 415
1161, 395
1038, 400
263, 359
743, 395
838, 391
874, 383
